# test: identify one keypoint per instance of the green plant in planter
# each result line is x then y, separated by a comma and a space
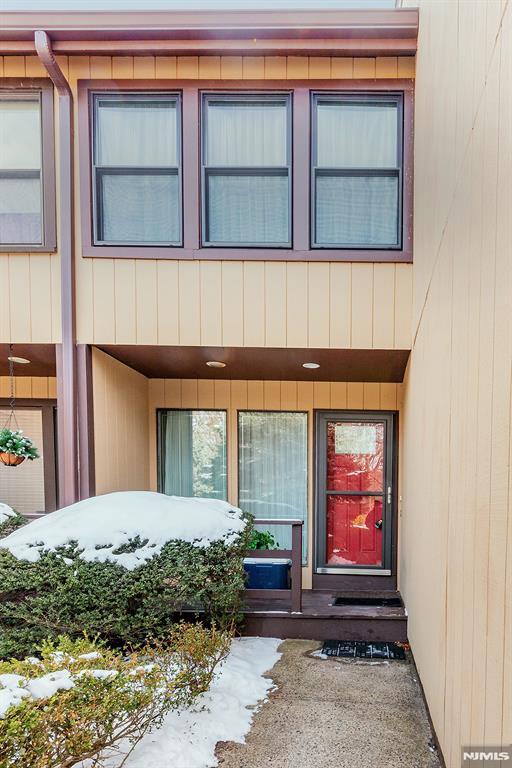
262, 540
15, 448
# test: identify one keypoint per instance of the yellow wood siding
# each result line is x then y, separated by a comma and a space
264, 395
456, 536
120, 397
261, 304
272, 304
37, 387
29, 283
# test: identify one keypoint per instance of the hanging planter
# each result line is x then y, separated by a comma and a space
15, 448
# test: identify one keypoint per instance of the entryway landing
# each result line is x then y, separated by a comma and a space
379, 616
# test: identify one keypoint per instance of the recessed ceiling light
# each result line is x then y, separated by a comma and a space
215, 364
311, 365
21, 360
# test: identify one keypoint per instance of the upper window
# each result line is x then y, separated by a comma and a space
246, 153
137, 169
357, 171
26, 170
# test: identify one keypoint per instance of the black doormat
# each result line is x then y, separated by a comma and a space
391, 602
354, 649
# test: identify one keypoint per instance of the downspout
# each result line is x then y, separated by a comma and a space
67, 428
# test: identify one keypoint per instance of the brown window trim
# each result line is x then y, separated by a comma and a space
191, 91
45, 87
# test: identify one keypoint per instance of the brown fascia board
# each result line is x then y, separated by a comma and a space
249, 32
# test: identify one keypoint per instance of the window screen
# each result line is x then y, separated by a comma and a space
21, 210
246, 170
272, 475
192, 453
357, 171
137, 169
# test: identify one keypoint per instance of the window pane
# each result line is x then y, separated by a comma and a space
20, 211
136, 133
140, 209
272, 474
352, 536
356, 135
357, 210
246, 134
20, 134
193, 453
355, 456
247, 209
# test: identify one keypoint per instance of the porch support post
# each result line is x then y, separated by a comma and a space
67, 435
87, 477
296, 567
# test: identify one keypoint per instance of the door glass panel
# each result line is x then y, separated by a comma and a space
354, 531
355, 456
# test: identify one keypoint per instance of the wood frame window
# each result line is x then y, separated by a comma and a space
192, 452
273, 468
300, 243
246, 166
136, 169
27, 173
356, 170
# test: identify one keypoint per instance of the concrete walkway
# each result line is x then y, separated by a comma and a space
333, 713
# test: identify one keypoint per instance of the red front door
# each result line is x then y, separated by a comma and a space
354, 492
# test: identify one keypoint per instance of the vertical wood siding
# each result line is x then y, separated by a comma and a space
264, 395
29, 282
262, 304
36, 387
120, 397
456, 537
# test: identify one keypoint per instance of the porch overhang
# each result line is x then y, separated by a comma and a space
42, 359
319, 32
254, 363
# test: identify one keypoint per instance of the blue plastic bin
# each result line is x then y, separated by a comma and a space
265, 573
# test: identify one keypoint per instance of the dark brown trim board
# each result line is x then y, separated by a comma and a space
191, 91
269, 363
45, 88
48, 414
87, 475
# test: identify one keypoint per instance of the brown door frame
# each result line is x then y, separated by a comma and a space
48, 410
356, 582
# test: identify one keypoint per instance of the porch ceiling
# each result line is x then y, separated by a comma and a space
41, 356
158, 362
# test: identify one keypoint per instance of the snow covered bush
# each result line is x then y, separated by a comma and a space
9, 520
124, 566
80, 699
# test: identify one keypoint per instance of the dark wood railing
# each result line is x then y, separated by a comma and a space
294, 554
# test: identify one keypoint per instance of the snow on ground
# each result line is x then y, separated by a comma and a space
5, 512
102, 524
187, 739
